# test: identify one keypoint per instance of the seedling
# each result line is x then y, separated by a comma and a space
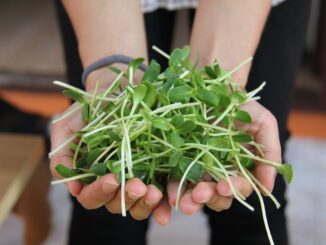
177, 123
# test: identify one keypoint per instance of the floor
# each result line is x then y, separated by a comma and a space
306, 210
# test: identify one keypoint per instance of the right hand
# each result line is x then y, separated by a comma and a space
141, 200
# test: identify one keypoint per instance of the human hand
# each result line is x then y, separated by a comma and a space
218, 196
141, 200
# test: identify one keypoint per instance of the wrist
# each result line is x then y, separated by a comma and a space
227, 61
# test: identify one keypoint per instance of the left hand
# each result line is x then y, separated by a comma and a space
218, 196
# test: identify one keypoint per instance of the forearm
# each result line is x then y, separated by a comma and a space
228, 31
106, 27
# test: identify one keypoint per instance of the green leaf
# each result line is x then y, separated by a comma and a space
175, 158
150, 97
96, 140
242, 116
285, 169
239, 97
186, 127
139, 93
152, 72
99, 169
218, 142
141, 166
179, 82
195, 173
65, 171
161, 123
93, 154
177, 120
135, 64
225, 101
85, 113
217, 69
175, 57
163, 99
247, 163
180, 94
243, 138
220, 89
82, 162
71, 94
210, 72
208, 160
185, 52
208, 97
140, 174
197, 79
176, 140
116, 169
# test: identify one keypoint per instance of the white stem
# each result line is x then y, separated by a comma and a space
67, 113
275, 164
264, 189
184, 178
235, 193
161, 52
60, 147
64, 85
220, 118
104, 152
111, 154
238, 67
184, 74
72, 178
261, 201
252, 93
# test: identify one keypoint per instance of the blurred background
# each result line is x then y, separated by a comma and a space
31, 57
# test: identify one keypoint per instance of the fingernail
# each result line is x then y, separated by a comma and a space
109, 186
133, 196
225, 192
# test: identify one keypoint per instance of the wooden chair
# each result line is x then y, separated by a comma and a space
24, 184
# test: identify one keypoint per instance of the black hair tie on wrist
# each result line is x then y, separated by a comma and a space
109, 60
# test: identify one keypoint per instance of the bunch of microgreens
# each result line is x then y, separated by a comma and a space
179, 123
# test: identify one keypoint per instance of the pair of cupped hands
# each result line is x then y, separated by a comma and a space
142, 200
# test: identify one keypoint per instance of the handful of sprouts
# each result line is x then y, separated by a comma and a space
178, 123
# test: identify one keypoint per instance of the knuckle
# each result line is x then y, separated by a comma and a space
86, 205
137, 215
112, 209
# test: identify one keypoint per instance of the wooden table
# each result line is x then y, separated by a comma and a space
24, 183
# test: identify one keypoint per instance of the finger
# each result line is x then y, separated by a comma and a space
265, 131
240, 183
172, 189
162, 213
268, 136
188, 205
99, 192
203, 192
219, 203
60, 133
143, 207
135, 189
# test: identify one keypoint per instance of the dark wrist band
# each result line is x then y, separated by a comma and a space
109, 60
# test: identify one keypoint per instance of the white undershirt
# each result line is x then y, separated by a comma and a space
152, 5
